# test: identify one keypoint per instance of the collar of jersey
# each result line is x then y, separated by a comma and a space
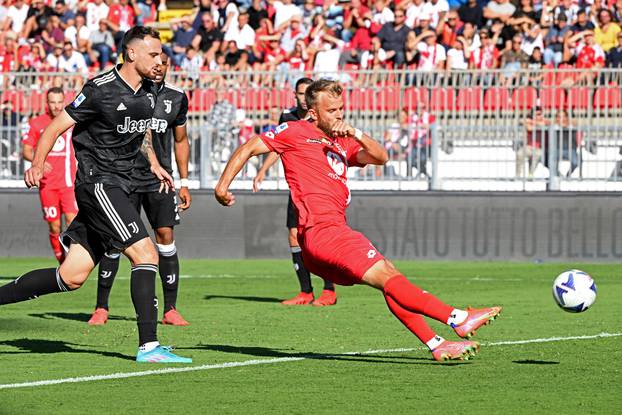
116, 70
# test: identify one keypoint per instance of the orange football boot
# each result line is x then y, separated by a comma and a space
477, 318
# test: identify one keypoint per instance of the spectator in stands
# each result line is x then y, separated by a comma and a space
614, 56
241, 33
64, 13
226, 13
487, 55
392, 37
294, 32
607, 31
439, 11
530, 149
420, 140
458, 56
283, 11
53, 59
52, 34
102, 45
72, 60
298, 61
554, 41
583, 23
17, 14
255, 13
381, 15
358, 22
451, 29
588, 55
501, 10
147, 12
208, 38
38, 16
183, 35
567, 140
567, 8
191, 64
472, 12
513, 60
121, 17
4, 13
415, 10
617, 11
432, 55
9, 129
95, 12
533, 39
79, 34
376, 56
397, 138
232, 54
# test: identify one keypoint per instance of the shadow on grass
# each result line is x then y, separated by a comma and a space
534, 362
77, 316
54, 346
244, 298
275, 353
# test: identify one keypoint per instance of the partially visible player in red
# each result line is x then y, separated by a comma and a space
316, 154
56, 191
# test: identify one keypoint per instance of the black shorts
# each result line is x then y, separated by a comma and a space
161, 208
292, 214
106, 221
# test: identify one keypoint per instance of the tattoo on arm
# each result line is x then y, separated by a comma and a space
147, 146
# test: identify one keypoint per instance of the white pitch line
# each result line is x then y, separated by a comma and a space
272, 361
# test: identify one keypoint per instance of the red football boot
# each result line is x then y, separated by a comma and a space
300, 299
455, 350
99, 317
328, 297
173, 318
477, 318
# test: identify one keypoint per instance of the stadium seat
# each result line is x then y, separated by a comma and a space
470, 99
414, 97
388, 98
565, 73
442, 99
552, 98
496, 99
36, 101
17, 99
607, 97
524, 98
578, 99
69, 97
203, 99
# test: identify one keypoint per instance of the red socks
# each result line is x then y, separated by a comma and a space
59, 253
414, 299
414, 322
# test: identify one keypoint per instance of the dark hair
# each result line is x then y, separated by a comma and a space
303, 81
323, 85
55, 90
137, 32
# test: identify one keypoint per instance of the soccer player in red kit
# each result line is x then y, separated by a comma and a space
56, 191
316, 154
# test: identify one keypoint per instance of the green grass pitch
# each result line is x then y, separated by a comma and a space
235, 316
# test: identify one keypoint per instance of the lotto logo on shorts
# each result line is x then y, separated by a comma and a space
371, 253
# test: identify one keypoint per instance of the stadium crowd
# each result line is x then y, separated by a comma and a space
309, 36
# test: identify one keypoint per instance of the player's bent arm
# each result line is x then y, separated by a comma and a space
28, 152
372, 152
58, 126
182, 150
147, 149
254, 147
270, 161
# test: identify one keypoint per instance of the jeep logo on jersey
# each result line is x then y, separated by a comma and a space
168, 105
158, 125
132, 126
336, 163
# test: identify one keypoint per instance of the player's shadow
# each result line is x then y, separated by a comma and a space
346, 357
534, 362
76, 316
8, 278
244, 298
54, 346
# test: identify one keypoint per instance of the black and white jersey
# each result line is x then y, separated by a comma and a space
171, 111
289, 115
111, 120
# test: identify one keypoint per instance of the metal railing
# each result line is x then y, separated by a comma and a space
467, 130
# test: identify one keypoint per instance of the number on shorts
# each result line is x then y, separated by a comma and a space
50, 212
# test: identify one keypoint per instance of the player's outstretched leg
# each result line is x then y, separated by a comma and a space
328, 297
142, 286
441, 349
304, 278
169, 274
69, 276
108, 267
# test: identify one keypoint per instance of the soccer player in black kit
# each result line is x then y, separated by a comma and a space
111, 118
305, 296
162, 210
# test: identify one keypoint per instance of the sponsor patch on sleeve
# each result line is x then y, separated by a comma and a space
281, 128
79, 100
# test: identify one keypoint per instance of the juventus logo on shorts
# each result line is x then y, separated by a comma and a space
134, 227
170, 279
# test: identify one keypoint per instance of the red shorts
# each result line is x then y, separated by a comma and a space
55, 202
337, 253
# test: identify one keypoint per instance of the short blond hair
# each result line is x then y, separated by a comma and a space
323, 85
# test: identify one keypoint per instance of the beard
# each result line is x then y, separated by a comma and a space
325, 127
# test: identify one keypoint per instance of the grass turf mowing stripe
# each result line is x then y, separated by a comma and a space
275, 360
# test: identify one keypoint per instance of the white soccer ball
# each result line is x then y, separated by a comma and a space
574, 291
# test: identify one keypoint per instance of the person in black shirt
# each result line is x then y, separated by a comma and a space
614, 56
169, 122
208, 37
111, 118
305, 296
472, 12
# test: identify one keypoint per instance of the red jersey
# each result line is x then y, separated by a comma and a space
123, 16
61, 157
315, 169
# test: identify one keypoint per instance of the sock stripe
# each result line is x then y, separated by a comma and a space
60, 282
145, 267
295, 249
